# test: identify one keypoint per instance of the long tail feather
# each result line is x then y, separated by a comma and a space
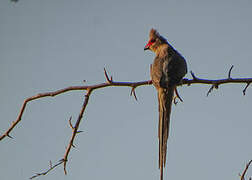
165, 98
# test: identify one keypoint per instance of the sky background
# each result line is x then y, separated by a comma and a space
46, 45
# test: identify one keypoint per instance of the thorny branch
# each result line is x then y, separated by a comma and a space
75, 128
89, 89
215, 83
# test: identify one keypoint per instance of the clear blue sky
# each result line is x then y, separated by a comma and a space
46, 45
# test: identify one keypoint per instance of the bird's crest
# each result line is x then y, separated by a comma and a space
154, 35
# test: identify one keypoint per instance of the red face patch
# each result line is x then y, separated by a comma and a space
150, 42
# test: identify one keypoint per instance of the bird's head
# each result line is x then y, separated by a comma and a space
155, 41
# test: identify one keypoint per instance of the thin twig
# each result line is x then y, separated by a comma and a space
51, 167
245, 170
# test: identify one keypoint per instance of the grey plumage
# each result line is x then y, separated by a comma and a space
167, 70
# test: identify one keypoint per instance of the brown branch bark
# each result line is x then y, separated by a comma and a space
64, 90
110, 82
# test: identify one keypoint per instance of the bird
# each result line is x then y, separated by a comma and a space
168, 69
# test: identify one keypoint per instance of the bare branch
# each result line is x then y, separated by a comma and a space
197, 80
217, 82
64, 90
110, 82
245, 170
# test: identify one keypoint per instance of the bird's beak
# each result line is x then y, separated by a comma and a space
147, 46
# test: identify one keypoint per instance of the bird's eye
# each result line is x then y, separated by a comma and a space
152, 40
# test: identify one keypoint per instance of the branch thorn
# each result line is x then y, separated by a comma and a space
210, 90
194, 77
73, 145
50, 164
229, 72
244, 90
107, 77
9, 136
70, 123
133, 92
175, 100
177, 95
216, 86
62, 160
